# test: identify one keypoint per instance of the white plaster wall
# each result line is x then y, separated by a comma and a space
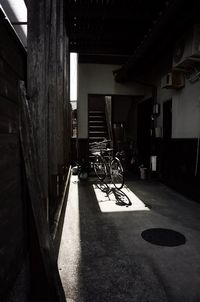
99, 79
186, 111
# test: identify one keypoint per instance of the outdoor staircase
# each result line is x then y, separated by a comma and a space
97, 129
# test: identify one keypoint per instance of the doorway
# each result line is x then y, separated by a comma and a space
144, 132
167, 119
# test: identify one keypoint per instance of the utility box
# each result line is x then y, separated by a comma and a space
153, 161
187, 49
173, 80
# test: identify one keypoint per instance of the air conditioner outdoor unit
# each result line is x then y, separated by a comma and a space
187, 49
174, 80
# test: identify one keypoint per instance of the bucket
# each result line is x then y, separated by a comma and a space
143, 173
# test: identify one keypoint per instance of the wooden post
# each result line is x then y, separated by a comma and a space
60, 82
66, 133
36, 86
47, 88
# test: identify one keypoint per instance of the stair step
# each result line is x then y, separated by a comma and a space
96, 122
96, 112
97, 138
92, 122
97, 117
97, 132
97, 127
91, 130
98, 135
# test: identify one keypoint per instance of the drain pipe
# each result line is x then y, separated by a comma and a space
198, 145
197, 157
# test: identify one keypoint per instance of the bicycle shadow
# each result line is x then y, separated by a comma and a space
121, 199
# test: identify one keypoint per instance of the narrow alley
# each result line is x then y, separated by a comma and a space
103, 256
107, 89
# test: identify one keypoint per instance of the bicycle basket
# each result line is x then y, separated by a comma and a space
98, 146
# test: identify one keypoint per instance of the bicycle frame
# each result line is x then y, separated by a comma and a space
106, 164
107, 160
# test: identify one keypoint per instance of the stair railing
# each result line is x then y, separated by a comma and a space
108, 113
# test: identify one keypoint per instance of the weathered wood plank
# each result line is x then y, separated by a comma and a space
13, 215
67, 133
8, 116
52, 86
68, 124
36, 85
8, 89
52, 99
8, 73
60, 81
12, 212
47, 89
55, 290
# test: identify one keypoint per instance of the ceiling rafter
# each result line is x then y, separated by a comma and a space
111, 26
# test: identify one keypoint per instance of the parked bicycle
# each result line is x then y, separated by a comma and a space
107, 165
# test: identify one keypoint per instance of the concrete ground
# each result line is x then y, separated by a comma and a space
104, 257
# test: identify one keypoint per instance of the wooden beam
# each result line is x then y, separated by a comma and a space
101, 50
117, 12
103, 59
117, 36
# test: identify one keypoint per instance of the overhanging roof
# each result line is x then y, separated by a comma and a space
111, 30
125, 31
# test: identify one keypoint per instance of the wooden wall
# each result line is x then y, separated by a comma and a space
48, 92
13, 218
46, 72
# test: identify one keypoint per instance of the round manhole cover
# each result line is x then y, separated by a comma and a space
163, 237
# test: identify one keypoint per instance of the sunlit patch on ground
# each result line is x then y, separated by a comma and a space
114, 200
70, 257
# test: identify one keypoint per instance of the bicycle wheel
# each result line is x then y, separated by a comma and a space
100, 167
117, 173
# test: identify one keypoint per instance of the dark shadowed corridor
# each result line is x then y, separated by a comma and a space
103, 256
